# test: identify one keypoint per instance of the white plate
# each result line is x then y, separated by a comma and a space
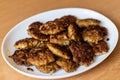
19, 32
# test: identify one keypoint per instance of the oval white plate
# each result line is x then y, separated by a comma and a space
19, 32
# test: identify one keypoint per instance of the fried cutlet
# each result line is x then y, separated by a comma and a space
51, 27
69, 19
33, 30
59, 51
26, 43
60, 39
49, 68
82, 53
100, 48
66, 20
67, 65
83, 23
35, 25
93, 35
20, 57
73, 33
41, 57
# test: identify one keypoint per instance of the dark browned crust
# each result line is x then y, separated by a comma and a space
66, 20
100, 48
33, 30
82, 53
20, 57
51, 27
35, 25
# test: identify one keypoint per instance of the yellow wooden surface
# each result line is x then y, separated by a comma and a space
14, 11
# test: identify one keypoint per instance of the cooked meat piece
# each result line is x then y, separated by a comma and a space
87, 22
67, 65
93, 35
73, 33
49, 68
26, 43
104, 31
40, 47
51, 27
20, 57
33, 30
62, 22
66, 20
60, 39
100, 48
35, 25
59, 51
37, 49
82, 53
42, 44
69, 19
41, 57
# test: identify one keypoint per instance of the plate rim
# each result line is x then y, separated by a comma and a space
52, 77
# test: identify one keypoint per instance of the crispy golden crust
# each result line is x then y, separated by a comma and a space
67, 65
41, 57
100, 48
20, 57
51, 27
60, 39
82, 53
73, 33
33, 30
93, 35
87, 22
49, 68
26, 43
59, 51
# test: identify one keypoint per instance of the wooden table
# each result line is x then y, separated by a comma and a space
14, 11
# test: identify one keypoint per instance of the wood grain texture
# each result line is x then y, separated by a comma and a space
14, 11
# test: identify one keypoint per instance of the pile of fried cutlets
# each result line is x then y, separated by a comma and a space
63, 43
